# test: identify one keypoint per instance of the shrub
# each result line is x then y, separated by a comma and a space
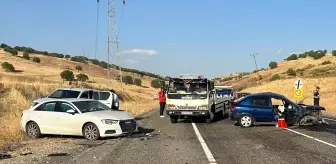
155, 83
292, 57
326, 62
128, 79
36, 60
275, 77
3, 45
67, 75
82, 77
304, 55
78, 68
333, 53
26, 55
291, 72
11, 51
137, 82
273, 64
8, 67
67, 56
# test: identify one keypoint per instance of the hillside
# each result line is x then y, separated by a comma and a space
314, 72
31, 80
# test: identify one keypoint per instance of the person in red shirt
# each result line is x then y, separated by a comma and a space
162, 99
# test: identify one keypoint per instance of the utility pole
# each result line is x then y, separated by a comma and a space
254, 58
112, 39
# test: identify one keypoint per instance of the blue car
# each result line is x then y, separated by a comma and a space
264, 107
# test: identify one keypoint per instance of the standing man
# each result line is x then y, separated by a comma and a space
115, 100
317, 96
162, 98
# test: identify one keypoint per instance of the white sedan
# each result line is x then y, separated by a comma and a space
79, 117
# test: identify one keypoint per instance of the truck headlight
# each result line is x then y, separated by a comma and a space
203, 107
109, 121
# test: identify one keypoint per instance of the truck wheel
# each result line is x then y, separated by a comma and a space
173, 119
245, 121
210, 118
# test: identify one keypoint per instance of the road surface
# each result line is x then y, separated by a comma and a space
200, 143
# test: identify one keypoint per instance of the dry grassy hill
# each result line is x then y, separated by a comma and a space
314, 73
18, 89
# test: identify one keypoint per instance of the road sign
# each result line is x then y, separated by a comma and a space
298, 93
298, 84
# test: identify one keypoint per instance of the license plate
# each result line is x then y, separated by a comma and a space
186, 112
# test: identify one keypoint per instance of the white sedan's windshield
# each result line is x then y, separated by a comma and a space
90, 106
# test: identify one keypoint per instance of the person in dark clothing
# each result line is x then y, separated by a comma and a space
317, 96
162, 99
115, 100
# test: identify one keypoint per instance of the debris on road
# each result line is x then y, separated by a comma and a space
26, 153
5, 156
57, 154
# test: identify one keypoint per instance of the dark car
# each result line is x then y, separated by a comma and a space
263, 107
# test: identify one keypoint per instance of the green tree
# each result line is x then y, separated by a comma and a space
155, 83
67, 57
291, 72
273, 64
67, 75
82, 77
79, 68
26, 55
304, 55
3, 45
128, 79
137, 82
333, 52
8, 67
36, 60
292, 57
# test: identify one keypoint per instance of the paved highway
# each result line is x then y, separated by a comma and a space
200, 143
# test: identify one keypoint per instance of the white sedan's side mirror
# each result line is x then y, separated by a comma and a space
71, 111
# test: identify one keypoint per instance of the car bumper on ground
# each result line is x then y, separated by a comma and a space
198, 113
122, 128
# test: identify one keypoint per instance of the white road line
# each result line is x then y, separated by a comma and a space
206, 150
329, 119
327, 143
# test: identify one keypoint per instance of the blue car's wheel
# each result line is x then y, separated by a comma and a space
245, 121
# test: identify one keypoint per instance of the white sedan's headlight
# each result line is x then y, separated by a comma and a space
109, 121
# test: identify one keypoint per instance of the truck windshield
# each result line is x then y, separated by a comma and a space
188, 88
181, 90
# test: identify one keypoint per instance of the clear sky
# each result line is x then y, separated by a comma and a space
170, 37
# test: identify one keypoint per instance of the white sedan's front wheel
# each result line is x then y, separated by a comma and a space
91, 132
33, 130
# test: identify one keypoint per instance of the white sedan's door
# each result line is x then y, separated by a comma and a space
45, 118
67, 124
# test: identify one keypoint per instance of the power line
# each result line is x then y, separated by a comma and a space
254, 58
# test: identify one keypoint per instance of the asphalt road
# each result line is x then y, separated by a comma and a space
168, 143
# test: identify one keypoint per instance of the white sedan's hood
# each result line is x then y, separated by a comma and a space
110, 114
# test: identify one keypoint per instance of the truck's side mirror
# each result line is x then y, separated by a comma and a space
211, 85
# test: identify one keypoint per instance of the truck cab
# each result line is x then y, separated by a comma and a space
192, 96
